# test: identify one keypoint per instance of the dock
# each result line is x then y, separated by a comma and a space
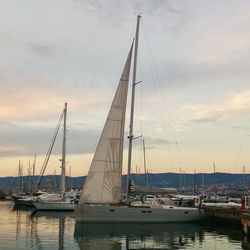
245, 222
237, 216
224, 214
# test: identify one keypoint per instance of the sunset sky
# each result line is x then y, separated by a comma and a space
192, 107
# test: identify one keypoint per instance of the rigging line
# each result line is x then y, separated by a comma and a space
243, 142
163, 98
135, 157
47, 157
180, 158
27, 179
147, 169
157, 96
144, 160
140, 155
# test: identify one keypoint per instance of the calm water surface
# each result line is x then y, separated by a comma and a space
55, 230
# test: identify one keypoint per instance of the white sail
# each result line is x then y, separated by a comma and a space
103, 183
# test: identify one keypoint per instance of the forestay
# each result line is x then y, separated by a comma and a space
103, 183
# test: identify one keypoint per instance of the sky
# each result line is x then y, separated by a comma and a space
192, 107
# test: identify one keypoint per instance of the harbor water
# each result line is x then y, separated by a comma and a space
23, 229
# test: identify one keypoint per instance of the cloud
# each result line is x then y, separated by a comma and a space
32, 96
153, 142
116, 13
30, 139
76, 54
172, 127
238, 104
33, 103
12, 150
39, 50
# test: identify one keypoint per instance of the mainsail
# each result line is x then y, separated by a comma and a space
103, 183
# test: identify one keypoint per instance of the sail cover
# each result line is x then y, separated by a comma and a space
103, 183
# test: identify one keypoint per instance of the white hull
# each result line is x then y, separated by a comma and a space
160, 214
54, 206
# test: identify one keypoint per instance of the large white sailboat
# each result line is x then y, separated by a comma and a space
101, 199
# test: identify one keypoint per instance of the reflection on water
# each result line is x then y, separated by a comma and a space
24, 229
21, 229
53, 229
137, 236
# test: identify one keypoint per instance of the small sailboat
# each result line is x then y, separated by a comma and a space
57, 201
101, 199
27, 197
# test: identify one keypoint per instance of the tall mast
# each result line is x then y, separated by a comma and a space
144, 161
63, 153
34, 166
131, 136
33, 175
20, 175
180, 179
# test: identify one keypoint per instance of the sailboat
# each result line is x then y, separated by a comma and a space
57, 201
101, 199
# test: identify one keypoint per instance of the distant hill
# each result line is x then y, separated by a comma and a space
157, 180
